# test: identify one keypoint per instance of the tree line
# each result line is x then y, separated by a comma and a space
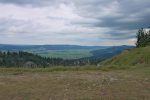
25, 59
143, 37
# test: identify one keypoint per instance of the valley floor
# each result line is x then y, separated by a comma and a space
75, 85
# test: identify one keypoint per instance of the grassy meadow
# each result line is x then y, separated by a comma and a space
86, 83
65, 54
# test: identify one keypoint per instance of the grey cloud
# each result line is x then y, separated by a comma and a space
116, 35
118, 23
127, 15
21, 2
123, 19
35, 3
127, 9
77, 2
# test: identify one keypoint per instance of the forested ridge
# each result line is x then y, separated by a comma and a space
24, 59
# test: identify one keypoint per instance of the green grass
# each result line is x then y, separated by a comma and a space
65, 54
81, 84
130, 58
51, 69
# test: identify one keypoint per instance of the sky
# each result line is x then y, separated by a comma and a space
72, 22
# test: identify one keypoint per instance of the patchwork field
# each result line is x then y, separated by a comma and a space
65, 54
47, 84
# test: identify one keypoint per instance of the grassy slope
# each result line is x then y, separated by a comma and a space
133, 57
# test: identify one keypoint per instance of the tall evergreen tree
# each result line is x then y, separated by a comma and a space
143, 38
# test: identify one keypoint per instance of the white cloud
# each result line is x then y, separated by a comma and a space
82, 22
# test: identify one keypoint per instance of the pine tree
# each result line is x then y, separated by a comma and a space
143, 38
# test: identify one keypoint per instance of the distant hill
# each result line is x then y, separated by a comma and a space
132, 57
55, 51
103, 54
109, 52
19, 58
46, 47
68, 51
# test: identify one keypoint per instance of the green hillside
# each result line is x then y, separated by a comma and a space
130, 58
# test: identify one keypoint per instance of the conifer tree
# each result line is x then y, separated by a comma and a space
143, 38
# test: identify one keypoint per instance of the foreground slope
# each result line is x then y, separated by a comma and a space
131, 57
33, 84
